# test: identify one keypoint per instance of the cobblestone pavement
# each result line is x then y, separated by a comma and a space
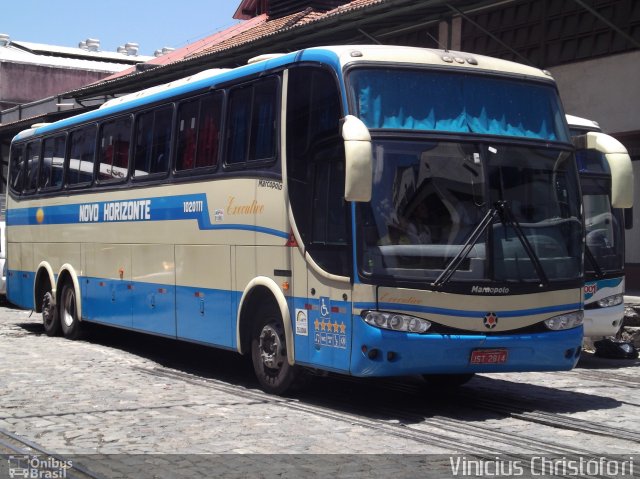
126, 396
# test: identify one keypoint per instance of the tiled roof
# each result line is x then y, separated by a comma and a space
290, 22
197, 46
260, 31
240, 38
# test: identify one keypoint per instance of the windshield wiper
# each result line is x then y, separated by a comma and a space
455, 263
506, 216
592, 259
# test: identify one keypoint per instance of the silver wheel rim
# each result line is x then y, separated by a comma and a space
69, 308
270, 347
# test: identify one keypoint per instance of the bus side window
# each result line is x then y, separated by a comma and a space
81, 154
153, 141
209, 131
33, 161
113, 150
198, 130
238, 125
52, 163
252, 122
16, 173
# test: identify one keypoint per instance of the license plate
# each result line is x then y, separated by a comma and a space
488, 356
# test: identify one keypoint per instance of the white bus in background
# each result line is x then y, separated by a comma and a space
605, 221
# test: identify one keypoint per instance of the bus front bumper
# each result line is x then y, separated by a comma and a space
378, 352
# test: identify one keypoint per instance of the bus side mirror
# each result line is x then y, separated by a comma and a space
628, 218
358, 160
619, 164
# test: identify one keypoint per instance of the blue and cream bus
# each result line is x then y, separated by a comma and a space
366, 210
600, 157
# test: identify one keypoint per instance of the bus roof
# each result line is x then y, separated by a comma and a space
337, 56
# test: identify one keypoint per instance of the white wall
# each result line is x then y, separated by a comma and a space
605, 89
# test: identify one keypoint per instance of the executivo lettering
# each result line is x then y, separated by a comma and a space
489, 290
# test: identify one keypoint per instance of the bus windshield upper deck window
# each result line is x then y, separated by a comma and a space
385, 98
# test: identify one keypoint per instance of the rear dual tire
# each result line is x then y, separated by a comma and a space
50, 319
69, 320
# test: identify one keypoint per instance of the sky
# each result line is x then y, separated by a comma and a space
152, 24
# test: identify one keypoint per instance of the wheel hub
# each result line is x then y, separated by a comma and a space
271, 347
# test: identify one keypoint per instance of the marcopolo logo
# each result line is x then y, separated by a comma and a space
489, 290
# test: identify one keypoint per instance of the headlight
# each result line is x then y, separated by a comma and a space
609, 301
396, 322
565, 321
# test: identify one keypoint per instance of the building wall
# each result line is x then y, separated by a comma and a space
23, 83
603, 89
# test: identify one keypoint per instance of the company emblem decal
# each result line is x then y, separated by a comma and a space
490, 320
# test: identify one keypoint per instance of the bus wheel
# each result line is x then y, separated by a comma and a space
269, 355
50, 319
448, 380
71, 327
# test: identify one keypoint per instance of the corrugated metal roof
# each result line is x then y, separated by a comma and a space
72, 52
13, 54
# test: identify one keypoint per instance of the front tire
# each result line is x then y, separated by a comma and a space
50, 319
269, 355
69, 321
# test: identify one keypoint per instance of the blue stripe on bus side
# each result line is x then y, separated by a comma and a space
467, 314
197, 314
134, 210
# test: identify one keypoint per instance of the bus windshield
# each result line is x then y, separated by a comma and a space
427, 100
603, 227
430, 196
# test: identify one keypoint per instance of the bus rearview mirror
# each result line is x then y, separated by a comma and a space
358, 160
619, 164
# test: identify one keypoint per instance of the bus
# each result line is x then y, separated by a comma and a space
605, 218
362, 210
